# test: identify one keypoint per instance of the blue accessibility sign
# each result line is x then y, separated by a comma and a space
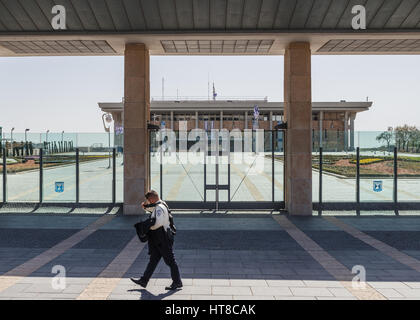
377, 186
59, 187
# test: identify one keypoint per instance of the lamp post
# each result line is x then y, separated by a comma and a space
106, 120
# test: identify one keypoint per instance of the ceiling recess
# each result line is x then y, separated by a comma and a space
59, 47
217, 46
371, 45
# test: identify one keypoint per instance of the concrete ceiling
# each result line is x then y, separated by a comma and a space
158, 22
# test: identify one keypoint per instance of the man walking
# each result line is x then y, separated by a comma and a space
160, 242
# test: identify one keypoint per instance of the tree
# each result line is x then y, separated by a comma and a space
414, 139
402, 134
386, 136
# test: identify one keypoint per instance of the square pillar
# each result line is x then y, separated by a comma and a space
352, 118
298, 115
346, 131
246, 121
136, 136
196, 119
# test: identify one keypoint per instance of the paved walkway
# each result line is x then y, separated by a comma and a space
224, 256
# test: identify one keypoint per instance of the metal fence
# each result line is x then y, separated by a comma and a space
55, 178
362, 201
360, 173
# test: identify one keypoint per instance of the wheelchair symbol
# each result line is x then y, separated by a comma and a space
377, 186
59, 187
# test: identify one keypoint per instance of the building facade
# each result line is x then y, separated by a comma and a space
333, 123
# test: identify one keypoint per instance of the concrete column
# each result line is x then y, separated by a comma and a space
271, 120
221, 120
298, 115
321, 127
172, 120
136, 115
196, 119
352, 118
346, 131
246, 121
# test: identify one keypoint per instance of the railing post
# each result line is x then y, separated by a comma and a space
161, 170
396, 181
272, 165
229, 178
41, 174
205, 173
114, 175
358, 181
4, 176
320, 181
77, 176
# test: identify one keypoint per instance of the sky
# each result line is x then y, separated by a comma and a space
61, 93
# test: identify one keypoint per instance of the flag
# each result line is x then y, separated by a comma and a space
214, 93
256, 112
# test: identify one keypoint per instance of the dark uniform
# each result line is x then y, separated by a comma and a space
161, 246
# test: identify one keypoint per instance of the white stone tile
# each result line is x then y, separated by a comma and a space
211, 282
248, 283
323, 283
390, 293
286, 283
315, 292
245, 291
388, 285
340, 292
271, 291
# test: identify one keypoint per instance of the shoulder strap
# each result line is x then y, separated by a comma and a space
171, 218
166, 206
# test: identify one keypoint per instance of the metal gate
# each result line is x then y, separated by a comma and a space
220, 181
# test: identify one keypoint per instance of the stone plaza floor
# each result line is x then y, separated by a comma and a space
221, 256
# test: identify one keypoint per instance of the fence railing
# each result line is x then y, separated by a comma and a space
57, 178
389, 201
348, 173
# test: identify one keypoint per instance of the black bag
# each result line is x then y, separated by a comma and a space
143, 227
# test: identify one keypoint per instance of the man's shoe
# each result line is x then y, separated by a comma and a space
174, 286
140, 282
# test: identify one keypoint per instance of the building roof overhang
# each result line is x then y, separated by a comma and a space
208, 27
236, 106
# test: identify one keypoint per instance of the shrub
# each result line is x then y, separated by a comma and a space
368, 161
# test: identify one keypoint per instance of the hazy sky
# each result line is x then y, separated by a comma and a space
61, 93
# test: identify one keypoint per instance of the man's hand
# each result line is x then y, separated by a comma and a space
143, 204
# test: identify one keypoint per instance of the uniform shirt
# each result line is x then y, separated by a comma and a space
162, 217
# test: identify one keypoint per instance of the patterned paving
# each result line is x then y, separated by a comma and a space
221, 256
